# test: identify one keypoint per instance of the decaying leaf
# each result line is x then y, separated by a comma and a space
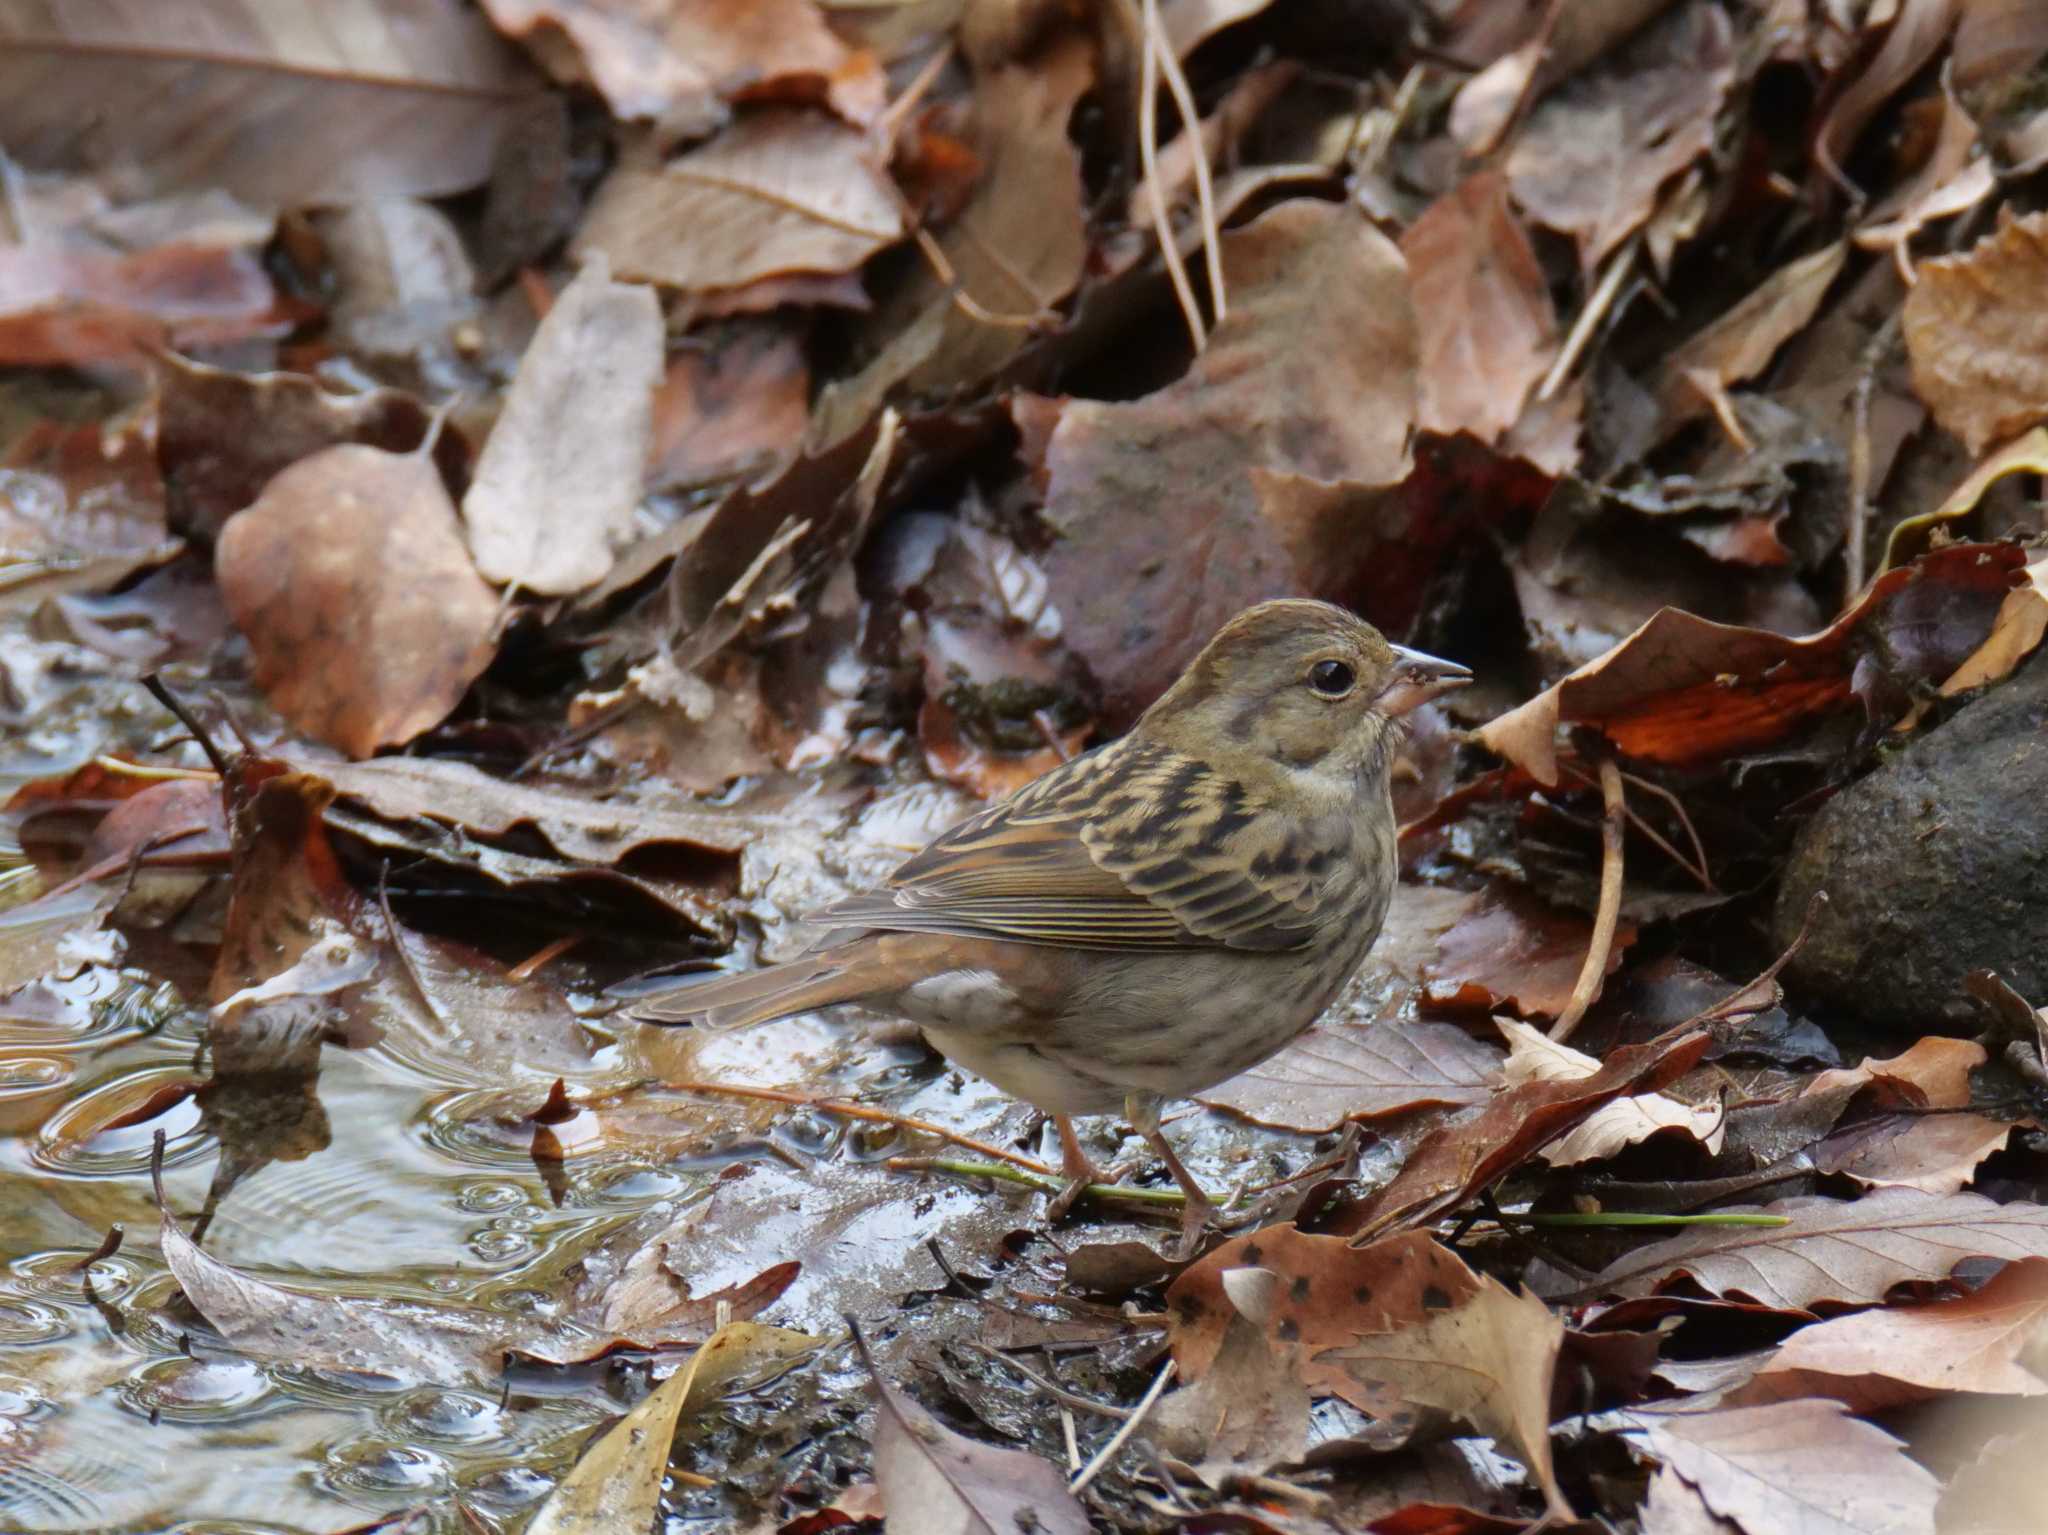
222, 436
1741, 343
1248, 1413
1681, 690
1918, 29
61, 305
560, 476
732, 406
781, 191
1835, 1250
1366, 1058
1977, 340
1533, 1056
1487, 1361
682, 62
1593, 156
380, 99
350, 578
934, 1479
1391, 1327
1803, 1465
1486, 325
1159, 535
1987, 1341
407, 1340
1362, 1070
1511, 953
1467, 1154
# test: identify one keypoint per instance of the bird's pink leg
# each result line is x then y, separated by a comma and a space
1142, 1109
1076, 1164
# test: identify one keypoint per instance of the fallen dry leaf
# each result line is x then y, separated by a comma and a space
1512, 952
1953, 178
366, 617
2015, 634
1802, 1466
1389, 1327
1153, 506
732, 403
1932, 1074
62, 305
616, 1483
1741, 343
1937, 1154
222, 435
1850, 1251
380, 99
1977, 340
1361, 1069
1986, 1341
1533, 1056
1487, 1361
1682, 690
1486, 325
1593, 156
681, 62
1469, 1153
935, 1480
1248, 1413
781, 191
560, 475
1018, 247
1919, 29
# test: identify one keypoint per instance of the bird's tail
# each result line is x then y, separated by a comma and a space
758, 996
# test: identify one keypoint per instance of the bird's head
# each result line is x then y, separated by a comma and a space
1314, 690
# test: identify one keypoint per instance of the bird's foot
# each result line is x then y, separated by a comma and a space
1079, 1169
1199, 1209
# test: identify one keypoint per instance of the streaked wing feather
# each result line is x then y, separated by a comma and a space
1132, 846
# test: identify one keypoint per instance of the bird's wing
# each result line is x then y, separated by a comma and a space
1132, 846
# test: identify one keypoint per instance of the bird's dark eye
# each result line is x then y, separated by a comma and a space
1332, 679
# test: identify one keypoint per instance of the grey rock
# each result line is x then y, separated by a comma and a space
1934, 865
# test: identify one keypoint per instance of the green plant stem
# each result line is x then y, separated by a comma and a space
960, 1168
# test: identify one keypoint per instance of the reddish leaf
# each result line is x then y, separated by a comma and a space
350, 578
1487, 327
1684, 691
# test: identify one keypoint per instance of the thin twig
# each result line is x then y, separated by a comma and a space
1052, 1389
1618, 266
1148, 156
890, 123
1858, 510
1609, 912
847, 1110
1129, 1427
1044, 1182
1697, 869
1699, 849
163, 695
943, 270
1191, 125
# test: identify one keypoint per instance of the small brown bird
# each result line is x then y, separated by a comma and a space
1156, 915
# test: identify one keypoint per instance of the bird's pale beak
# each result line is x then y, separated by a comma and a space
1417, 679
